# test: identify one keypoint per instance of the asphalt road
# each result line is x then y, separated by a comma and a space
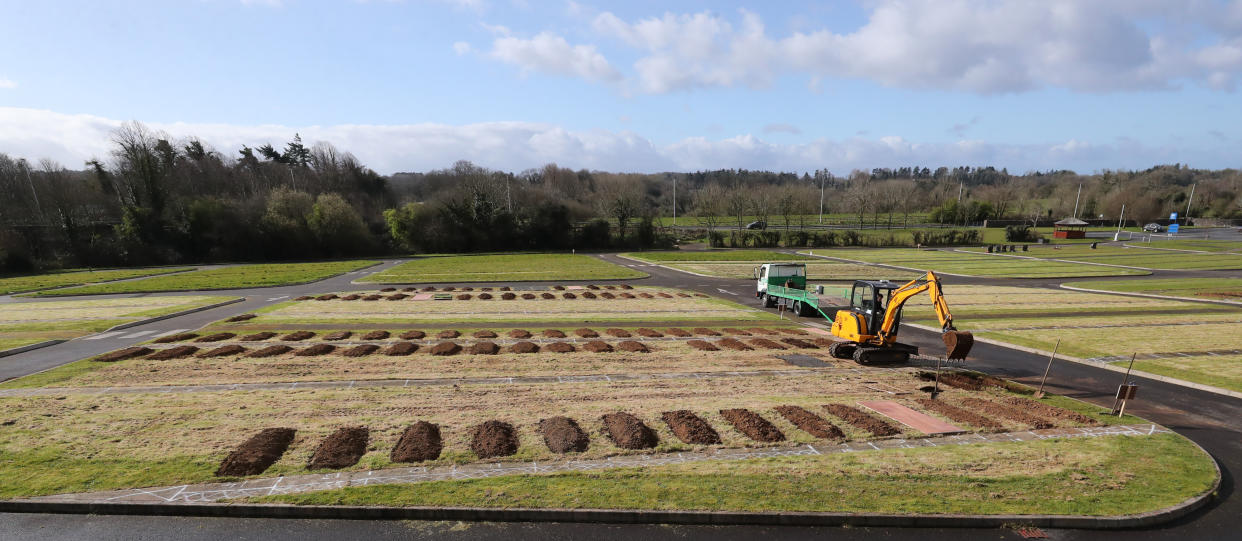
1214, 422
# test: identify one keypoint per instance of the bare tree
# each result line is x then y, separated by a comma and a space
621, 199
737, 202
709, 205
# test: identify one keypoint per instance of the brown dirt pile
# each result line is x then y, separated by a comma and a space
519, 334
586, 295
122, 354
401, 349
592, 286
586, 333
734, 344
257, 337
607, 295
172, 353
387, 289
524, 347
799, 343
341, 449
705, 332
684, 295
485, 348
339, 335
619, 333
445, 348
810, 423
494, 438
1045, 410
429, 288
176, 338
409, 289
701, 345
628, 432
665, 295
958, 414
327, 297
448, 334
766, 344
547, 296
597, 346
795, 332
316, 350
993, 409
507, 296
646, 295
626, 286
304, 298
560, 347
449, 288
563, 435
627, 295
485, 296
755, 427
361, 350
569, 296
223, 351
376, 335
735, 331
690, 428
419, 442
218, 337
967, 382
270, 351
484, 334
528, 296
243, 317
553, 333
559, 288
257, 454
680, 333
413, 335
633, 346
862, 420
762, 331
464, 297
351, 297
649, 333
397, 296
297, 336
505, 288
372, 297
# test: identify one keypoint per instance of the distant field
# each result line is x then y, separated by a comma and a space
35, 282
1137, 257
1208, 288
236, 277
816, 270
759, 256
974, 264
499, 268
33, 322
1190, 244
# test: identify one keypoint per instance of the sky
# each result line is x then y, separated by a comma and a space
637, 86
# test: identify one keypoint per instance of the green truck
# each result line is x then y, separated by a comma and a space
784, 284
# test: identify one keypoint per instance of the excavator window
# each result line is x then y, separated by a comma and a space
863, 298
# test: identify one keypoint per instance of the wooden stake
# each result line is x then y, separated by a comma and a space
1040, 393
1124, 380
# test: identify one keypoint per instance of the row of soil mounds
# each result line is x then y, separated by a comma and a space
298, 336
446, 348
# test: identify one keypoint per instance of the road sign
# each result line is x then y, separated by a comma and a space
1173, 228
1173, 216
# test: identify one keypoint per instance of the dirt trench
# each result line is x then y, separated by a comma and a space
810, 423
563, 435
690, 428
257, 453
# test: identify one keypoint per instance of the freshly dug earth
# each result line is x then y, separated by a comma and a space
619, 333
586, 333
559, 347
339, 335
799, 343
860, 419
257, 337
958, 414
701, 345
735, 331
304, 298
767, 344
508, 296
585, 295
519, 334
223, 351
705, 332
563, 435
524, 347
553, 333
172, 353
485, 296
397, 296
607, 295
547, 296
327, 297
257, 454
754, 426
823, 342
485, 348
360, 350
633, 346
628, 432
372, 297
419, 442
376, 335
351, 297
494, 438
680, 333
484, 334
734, 344
176, 338
762, 331
297, 336
429, 288
559, 288
528, 296
316, 350
218, 337
122, 354
627, 295
341, 449
665, 295
387, 289
413, 335
966, 382
690, 428
464, 297
597, 346
448, 334
994, 409
1044, 410
270, 351
649, 333
446, 348
243, 317
646, 295
795, 332
401, 349
810, 423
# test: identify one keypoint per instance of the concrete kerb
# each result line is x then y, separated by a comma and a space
1149, 295
30, 347
175, 314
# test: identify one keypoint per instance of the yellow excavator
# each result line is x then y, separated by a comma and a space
869, 325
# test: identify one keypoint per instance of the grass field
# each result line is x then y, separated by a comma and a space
819, 269
974, 264
1202, 245
35, 282
234, 277
755, 256
1208, 288
1218, 370
32, 322
499, 268
1137, 257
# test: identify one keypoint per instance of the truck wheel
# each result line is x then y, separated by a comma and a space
797, 308
769, 301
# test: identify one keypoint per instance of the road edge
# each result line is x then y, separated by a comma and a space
124, 326
30, 347
337, 275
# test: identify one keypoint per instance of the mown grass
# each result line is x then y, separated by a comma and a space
497, 268
35, 282
975, 264
815, 270
1226, 288
1139, 257
1223, 371
1123, 475
760, 256
235, 277
33, 322
1204, 245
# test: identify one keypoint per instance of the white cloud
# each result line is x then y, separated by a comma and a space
551, 54
461, 48
7, 84
514, 146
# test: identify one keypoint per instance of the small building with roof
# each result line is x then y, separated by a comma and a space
1069, 228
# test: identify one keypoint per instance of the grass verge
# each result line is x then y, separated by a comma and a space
758, 256
1208, 288
507, 267
23, 284
235, 277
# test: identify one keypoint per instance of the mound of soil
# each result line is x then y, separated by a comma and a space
445, 348
665, 295
351, 297
701, 345
754, 426
563, 435
218, 337
528, 296
610, 287
376, 335
860, 419
519, 333
450, 333
401, 349
327, 297
626, 286
586, 333
680, 333
243, 317
810, 423
506, 288
485, 289
485, 296
607, 295
548, 296
705, 332
316, 350
734, 344
958, 414
493, 439
508, 296
690, 428
297, 336
993, 409
967, 382
734, 331
223, 351
374, 297
524, 347
592, 286
484, 334
397, 296
649, 333
449, 288
823, 342
429, 288
633, 346
176, 338
1045, 410
553, 333
684, 295
409, 289
559, 288
304, 298
467, 288
560, 347
360, 350
619, 333
597, 346
795, 332
338, 335
587, 295
257, 454
257, 337
172, 353
628, 432
569, 296
270, 351
766, 344
485, 348
646, 295
762, 331
626, 295
464, 297
387, 289
413, 335
122, 354
799, 343
419, 442
341, 449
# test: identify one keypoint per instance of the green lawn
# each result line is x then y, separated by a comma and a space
234, 277
1202, 245
507, 267
33, 322
757, 256
1210, 288
1138, 257
35, 282
973, 264
1119, 475
1223, 371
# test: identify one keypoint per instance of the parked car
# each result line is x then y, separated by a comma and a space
1153, 228
757, 225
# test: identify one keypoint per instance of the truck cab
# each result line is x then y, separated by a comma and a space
792, 275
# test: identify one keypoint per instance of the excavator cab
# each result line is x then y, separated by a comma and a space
870, 299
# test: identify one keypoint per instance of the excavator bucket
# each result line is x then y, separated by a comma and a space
958, 343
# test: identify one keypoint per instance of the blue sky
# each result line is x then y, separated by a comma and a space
642, 86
